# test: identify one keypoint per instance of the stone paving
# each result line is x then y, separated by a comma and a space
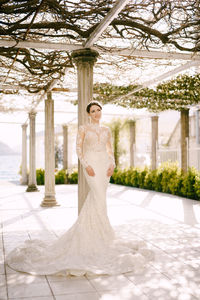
170, 226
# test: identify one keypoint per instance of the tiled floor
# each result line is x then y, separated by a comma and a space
170, 226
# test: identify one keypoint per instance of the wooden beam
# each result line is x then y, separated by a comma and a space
60, 89
11, 87
112, 14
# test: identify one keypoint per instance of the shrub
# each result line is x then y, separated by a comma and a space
133, 174
117, 176
168, 178
197, 185
175, 184
61, 177
40, 176
73, 177
170, 172
150, 180
188, 185
158, 181
141, 177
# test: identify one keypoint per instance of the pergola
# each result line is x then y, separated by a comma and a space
42, 41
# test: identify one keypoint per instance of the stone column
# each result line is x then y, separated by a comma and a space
84, 60
132, 142
24, 178
197, 127
65, 147
32, 159
184, 139
49, 196
154, 141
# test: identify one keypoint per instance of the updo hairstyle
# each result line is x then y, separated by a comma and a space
92, 103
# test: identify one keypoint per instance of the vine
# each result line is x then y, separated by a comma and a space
176, 94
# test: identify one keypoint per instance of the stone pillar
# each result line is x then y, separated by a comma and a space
132, 142
24, 178
65, 147
84, 60
184, 139
154, 141
32, 159
49, 196
197, 127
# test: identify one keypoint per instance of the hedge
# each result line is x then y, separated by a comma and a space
168, 178
61, 177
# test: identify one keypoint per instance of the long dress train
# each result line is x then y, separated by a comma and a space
90, 246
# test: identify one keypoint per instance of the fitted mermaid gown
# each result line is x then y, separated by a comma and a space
90, 246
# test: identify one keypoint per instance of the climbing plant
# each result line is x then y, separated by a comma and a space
176, 94
115, 127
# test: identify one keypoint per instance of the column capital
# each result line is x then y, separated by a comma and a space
49, 96
32, 114
24, 126
154, 117
65, 128
131, 122
84, 56
185, 109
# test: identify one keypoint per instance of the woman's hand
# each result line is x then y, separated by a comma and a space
90, 171
110, 170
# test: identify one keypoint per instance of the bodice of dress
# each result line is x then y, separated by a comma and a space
94, 138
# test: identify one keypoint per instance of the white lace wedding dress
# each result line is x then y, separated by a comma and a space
90, 246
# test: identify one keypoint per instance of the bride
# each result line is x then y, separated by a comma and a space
90, 246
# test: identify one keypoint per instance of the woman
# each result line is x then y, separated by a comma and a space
90, 245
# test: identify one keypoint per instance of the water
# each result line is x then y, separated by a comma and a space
9, 167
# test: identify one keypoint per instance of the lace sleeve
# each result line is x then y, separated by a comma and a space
79, 146
110, 148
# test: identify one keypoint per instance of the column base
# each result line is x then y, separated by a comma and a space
23, 182
49, 201
32, 188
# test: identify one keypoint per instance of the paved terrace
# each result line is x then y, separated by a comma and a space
170, 225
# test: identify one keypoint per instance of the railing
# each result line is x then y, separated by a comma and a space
173, 155
194, 158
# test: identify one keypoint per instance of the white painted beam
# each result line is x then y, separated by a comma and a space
112, 14
40, 45
150, 54
106, 50
168, 74
161, 77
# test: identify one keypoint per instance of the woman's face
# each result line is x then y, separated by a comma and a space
95, 113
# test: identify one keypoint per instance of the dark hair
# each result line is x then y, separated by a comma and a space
92, 103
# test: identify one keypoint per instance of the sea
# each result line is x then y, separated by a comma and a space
10, 167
